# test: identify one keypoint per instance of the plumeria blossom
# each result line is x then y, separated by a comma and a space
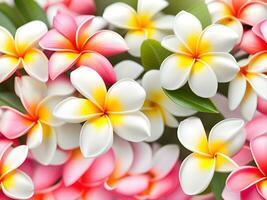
249, 83
200, 57
22, 51
249, 176
104, 111
209, 155
38, 123
78, 41
147, 22
14, 183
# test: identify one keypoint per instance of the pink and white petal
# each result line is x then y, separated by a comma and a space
164, 22
259, 84
96, 137
35, 135
98, 23
17, 185
203, 81
128, 69
161, 164
188, 28
7, 43
236, 91
32, 92
257, 146
14, 124
134, 40
76, 110
262, 189
44, 153
174, 44
75, 167
150, 7
106, 43
224, 163
100, 64
13, 159
4, 146
132, 127
225, 40
125, 96
244, 156
257, 63
256, 127
60, 157
90, 84
175, 71
192, 135
55, 41
243, 178
257, 9
260, 29
156, 123
8, 66
121, 15
68, 136
142, 158
60, 86
262, 106
25, 38
35, 64
196, 173
248, 105
223, 64
60, 62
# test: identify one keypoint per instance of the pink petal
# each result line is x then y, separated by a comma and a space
72, 192
100, 64
83, 32
251, 193
83, 7
237, 4
14, 124
257, 126
244, 156
107, 43
4, 145
243, 178
258, 148
259, 28
262, 188
262, 105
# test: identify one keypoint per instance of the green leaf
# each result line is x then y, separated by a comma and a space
31, 10
5, 22
196, 7
218, 183
185, 97
153, 54
10, 99
102, 4
13, 14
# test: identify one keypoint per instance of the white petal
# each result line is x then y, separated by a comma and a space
68, 136
59, 86
60, 157
10, 65
164, 22
248, 105
174, 44
169, 119
259, 84
35, 135
151, 7
257, 63
128, 69
7, 43
96, 137
224, 163
134, 40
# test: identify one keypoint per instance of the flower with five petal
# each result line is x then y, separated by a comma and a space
200, 57
77, 41
146, 22
225, 139
247, 177
249, 83
104, 111
22, 52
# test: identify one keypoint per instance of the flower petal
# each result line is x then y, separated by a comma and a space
96, 137
259, 84
256, 63
163, 22
224, 163
261, 187
249, 104
121, 15
219, 9
174, 44
203, 81
90, 84
134, 40
227, 137
35, 64
35, 135
7, 43
60, 86
244, 156
192, 135
151, 7
243, 178
60, 157
17, 185
25, 38
76, 110
175, 70
9, 66
128, 69
196, 173
125, 96
133, 127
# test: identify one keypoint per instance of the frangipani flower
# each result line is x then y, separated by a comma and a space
78, 41
147, 22
39, 101
14, 183
225, 139
249, 176
200, 57
22, 52
262, 106
249, 83
104, 111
